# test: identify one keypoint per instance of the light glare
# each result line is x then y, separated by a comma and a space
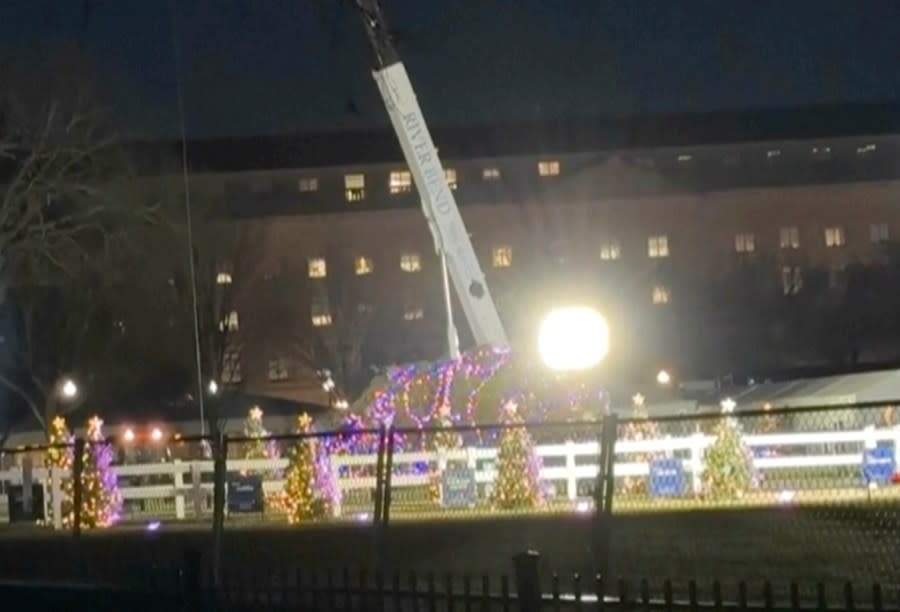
69, 389
573, 338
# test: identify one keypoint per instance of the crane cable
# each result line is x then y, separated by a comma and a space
187, 211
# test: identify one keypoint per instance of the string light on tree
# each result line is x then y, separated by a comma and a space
729, 472
518, 467
101, 497
309, 490
59, 457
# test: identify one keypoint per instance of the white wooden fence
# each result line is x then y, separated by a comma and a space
567, 463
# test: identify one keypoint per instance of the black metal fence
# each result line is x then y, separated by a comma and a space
808, 494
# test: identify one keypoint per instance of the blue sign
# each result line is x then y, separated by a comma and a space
458, 487
245, 494
878, 465
666, 478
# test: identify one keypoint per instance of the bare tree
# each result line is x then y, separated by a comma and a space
68, 205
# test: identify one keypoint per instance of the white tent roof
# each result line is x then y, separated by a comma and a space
882, 386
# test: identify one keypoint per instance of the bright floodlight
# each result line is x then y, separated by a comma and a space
663, 377
129, 435
156, 435
69, 389
574, 338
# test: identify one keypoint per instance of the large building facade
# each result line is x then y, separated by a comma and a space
661, 224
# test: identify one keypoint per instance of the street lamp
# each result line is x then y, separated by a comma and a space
663, 378
156, 435
573, 338
213, 387
129, 435
68, 389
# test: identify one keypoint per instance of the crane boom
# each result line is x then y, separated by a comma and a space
438, 204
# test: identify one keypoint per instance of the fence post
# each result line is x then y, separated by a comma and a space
336, 511
179, 490
56, 496
220, 455
388, 475
571, 480
897, 446
197, 490
528, 584
379, 476
27, 485
697, 444
379, 498
77, 485
381, 527
604, 491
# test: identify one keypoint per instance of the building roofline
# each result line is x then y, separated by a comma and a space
349, 148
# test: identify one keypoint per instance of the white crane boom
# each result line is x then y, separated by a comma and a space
438, 204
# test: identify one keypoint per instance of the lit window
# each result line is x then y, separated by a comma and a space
355, 187
791, 280
363, 265
490, 174
278, 368
878, 232
610, 250
773, 154
223, 278
684, 158
320, 312
317, 267
502, 256
410, 262
789, 237
548, 168
413, 313
307, 184
866, 149
834, 236
658, 246
744, 242
400, 181
230, 322
660, 294
231, 366
450, 175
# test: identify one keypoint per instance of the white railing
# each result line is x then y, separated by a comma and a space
572, 462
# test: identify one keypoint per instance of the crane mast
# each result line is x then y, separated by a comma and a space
438, 204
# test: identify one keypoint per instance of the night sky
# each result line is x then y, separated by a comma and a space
260, 66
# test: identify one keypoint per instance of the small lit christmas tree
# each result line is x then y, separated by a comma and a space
101, 498
59, 457
518, 467
639, 430
309, 492
729, 469
254, 429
